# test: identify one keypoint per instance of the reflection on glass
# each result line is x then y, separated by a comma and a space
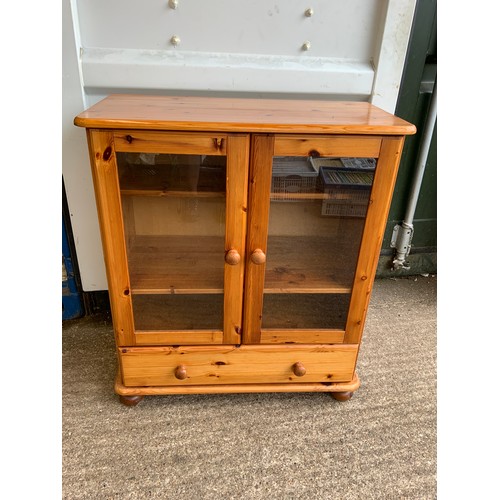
316, 221
174, 218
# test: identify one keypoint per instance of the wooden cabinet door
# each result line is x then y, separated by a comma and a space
172, 210
317, 211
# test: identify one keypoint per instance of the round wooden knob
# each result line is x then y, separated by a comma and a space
181, 372
299, 369
258, 256
233, 257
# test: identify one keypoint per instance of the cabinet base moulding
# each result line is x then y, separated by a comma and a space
132, 395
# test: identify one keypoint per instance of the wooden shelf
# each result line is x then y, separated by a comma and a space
195, 265
297, 197
173, 193
301, 264
176, 264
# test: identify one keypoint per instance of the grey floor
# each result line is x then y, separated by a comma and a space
381, 444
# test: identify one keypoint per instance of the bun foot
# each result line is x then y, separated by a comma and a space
130, 400
342, 396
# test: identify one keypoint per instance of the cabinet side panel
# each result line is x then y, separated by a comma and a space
104, 172
261, 164
236, 224
376, 218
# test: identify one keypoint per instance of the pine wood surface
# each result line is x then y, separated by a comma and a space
190, 264
181, 337
155, 366
309, 265
376, 218
187, 290
301, 336
236, 227
321, 145
261, 164
128, 111
176, 264
332, 387
107, 194
140, 141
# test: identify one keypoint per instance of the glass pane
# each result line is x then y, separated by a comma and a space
316, 222
174, 218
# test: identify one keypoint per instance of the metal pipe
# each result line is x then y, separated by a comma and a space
405, 231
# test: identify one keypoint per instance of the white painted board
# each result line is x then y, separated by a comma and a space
355, 51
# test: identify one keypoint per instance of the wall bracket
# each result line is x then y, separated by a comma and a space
401, 241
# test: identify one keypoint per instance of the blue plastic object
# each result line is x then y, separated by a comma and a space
71, 300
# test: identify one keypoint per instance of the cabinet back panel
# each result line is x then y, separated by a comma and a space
182, 216
153, 312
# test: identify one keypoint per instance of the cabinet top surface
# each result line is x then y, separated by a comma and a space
121, 111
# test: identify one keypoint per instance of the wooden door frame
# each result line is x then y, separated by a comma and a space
261, 165
103, 145
373, 234
387, 149
109, 210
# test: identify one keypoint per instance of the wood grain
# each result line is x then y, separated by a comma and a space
207, 114
140, 141
181, 337
155, 366
336, 146
176, 264
304, 336
296, 258
107, 194
187, 264
236, 227
330, 387
261, 159
376, 218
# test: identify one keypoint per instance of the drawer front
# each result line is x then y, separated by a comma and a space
209, 365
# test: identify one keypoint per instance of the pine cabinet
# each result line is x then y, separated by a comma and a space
241, 238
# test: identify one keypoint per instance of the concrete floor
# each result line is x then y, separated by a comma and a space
379, 445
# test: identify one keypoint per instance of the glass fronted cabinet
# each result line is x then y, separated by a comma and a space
241, 238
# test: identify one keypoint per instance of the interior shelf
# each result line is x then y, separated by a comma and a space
194, 265
173, 193
176, 264
300, 264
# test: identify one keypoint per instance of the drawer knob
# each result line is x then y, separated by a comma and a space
299, 369
181, 372
258, 256
233, 257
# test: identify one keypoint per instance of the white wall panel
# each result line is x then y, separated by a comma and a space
76, 165
228, 47
140, 69
344, 29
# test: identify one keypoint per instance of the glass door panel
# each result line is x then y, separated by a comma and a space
316, 221
174, 211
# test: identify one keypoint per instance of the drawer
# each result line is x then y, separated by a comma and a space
203, 365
